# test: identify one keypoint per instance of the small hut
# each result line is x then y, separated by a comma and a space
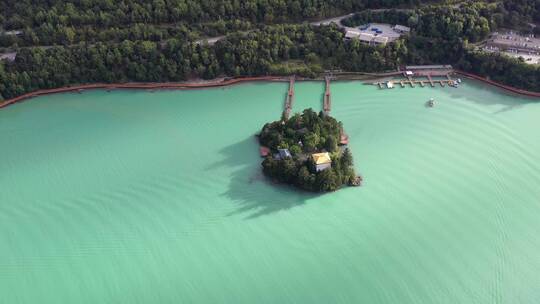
265, 151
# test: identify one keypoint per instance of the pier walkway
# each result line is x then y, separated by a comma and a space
430, 80
410, 80
289, 99
327, 102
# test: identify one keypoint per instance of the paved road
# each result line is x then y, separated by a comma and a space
213, 40
336, 20
10, 56
210, 40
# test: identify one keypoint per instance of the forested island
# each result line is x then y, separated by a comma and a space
61, 43
305, 151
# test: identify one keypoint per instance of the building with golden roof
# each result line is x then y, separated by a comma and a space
322, 161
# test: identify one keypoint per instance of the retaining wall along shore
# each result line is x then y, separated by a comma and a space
500, 85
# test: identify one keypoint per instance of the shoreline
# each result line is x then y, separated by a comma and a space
218, 82
499, 85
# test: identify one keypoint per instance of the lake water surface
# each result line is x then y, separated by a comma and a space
141, 197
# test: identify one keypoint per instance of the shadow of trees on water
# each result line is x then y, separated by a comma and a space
484, 95
255, 195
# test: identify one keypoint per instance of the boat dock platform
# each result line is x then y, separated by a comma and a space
430, 80
424, 75
412, 82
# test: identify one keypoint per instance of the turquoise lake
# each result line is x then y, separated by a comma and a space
157, 197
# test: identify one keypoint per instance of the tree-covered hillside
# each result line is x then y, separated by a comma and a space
19, 14
96, 44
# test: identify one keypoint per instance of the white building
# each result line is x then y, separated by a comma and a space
376, 33
379, 40
350, 34
365, 37
402, 29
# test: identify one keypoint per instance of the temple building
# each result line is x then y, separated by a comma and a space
322, 161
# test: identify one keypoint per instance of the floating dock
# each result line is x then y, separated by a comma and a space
412, 82
430, 80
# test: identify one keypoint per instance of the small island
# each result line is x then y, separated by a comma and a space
309, 151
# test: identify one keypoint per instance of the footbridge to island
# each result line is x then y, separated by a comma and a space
289, 98
327, 101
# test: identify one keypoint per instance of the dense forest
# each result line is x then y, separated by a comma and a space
471, 21
16, 14
304, 134
441, 34
68, 22
256, 53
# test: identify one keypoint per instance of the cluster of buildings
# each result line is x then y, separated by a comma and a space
376, 33
515, 45
322, 160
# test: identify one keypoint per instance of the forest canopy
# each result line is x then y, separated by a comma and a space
90, 44
18, 14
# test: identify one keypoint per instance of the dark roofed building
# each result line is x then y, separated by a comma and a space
284, 153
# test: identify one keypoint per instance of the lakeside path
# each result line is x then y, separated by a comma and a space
218, 82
